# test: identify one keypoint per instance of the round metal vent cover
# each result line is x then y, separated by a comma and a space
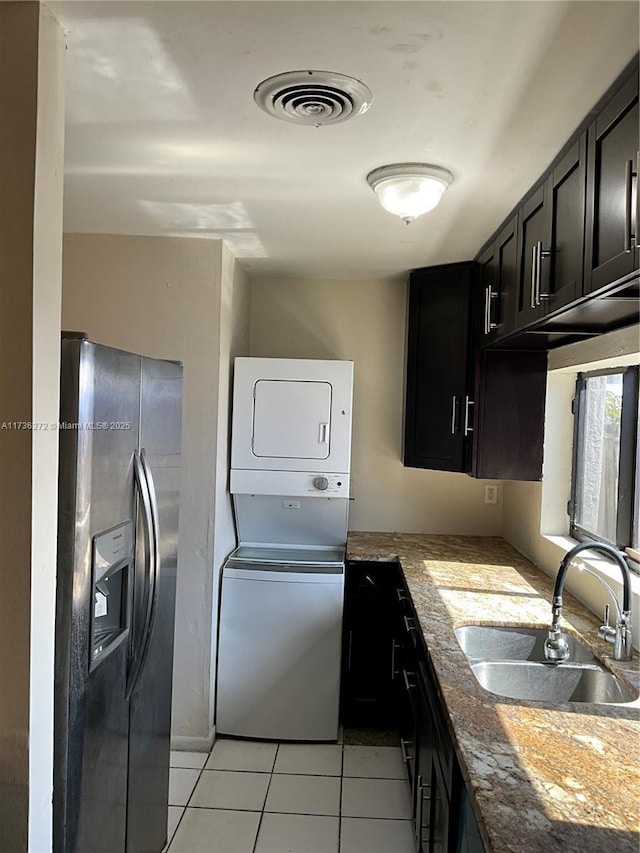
313, 97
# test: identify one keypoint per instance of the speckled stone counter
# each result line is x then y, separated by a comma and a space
542, 778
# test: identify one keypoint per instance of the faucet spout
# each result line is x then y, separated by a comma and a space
555, 648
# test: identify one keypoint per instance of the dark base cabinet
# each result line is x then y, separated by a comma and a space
369, 645
387, 682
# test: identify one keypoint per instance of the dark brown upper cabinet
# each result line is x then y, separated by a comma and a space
498, 271
551, 239
612, 240
480, 412
439, 353
577, 242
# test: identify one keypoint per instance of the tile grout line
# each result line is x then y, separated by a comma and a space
264, 804
184, 808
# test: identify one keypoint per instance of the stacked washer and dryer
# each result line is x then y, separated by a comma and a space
280, 633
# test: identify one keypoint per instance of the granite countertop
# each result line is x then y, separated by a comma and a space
541, 777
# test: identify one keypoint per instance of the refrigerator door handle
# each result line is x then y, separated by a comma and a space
155, 563
144, 496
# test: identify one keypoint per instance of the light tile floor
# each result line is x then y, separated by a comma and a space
253, 797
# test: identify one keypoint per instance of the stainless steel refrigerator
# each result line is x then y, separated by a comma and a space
119, 488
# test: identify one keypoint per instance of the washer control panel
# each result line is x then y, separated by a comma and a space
328, 484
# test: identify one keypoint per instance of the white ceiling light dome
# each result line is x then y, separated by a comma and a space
409, 189
313, 97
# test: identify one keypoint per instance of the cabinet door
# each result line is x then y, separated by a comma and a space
612, 217
438, 351
498, 267
486, 323
425, 772
368, 697
509, 426
533, 230
506, 271
565, 197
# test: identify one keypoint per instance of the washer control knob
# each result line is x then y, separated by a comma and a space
321, 483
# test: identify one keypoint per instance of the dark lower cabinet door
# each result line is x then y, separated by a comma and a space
368, 695
612, 244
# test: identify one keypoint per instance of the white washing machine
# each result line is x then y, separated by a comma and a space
280, 643
281, 606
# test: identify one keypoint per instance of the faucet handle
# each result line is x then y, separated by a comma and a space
606, 632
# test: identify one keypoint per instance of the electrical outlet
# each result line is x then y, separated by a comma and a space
491, 494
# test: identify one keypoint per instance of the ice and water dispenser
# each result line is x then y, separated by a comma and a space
112, 566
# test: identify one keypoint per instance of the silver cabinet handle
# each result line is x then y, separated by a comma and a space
453, 415
402, 596
487, 308
419, 810
394, 646
410, 627
423, 795
637, 225
628, 174
630, 238
541, 254
407, 683
489, 294
404, 746
534, 274
467, 404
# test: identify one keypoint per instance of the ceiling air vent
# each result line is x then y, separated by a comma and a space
313, 97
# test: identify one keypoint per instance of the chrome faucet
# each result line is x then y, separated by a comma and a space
555, 647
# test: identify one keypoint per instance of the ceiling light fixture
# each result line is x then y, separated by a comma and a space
409, 189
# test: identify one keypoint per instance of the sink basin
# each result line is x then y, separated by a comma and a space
552, 682
497, 643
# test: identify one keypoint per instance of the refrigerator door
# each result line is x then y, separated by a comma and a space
98, 436
150, 711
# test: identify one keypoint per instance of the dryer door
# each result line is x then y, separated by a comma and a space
291, 419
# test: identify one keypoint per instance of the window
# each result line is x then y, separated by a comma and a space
605, 492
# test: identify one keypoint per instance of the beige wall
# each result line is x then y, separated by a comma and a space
234, 340
364, 321
31, 151
535, 520
172, 298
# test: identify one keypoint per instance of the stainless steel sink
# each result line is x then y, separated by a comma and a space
556, 683
495, 643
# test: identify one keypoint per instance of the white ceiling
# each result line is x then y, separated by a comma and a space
163, 135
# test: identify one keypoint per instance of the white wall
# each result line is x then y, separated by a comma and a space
31, 151
535, 520
172, 298
364, 321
